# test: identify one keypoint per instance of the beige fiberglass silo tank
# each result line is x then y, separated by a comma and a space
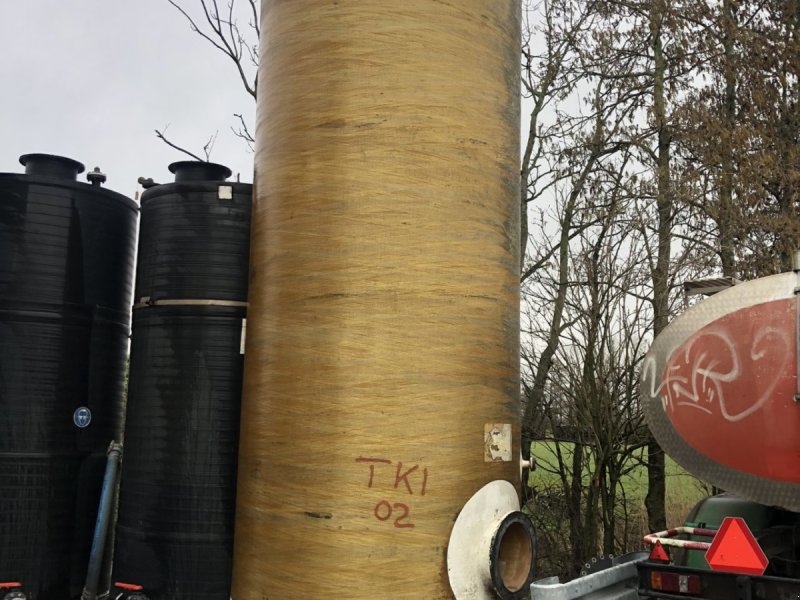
381, 370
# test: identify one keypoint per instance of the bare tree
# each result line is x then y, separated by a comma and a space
552, 38
222, 31
670, 129
739, 133
593, 424
219, 25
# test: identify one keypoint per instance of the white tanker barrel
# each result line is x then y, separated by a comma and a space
720, 390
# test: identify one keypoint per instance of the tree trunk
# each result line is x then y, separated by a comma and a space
726, 219
609, 482
654, 501
576, 533
545, 363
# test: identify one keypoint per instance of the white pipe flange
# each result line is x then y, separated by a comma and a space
492, 547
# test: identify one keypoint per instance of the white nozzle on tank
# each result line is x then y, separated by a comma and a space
796, 261
492, 547
526, 464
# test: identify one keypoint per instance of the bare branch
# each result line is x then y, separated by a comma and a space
244, 132
255, 24
194, 26
225, 36
161, 136
210, 145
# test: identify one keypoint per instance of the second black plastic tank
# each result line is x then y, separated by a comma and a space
66, 274
177, 495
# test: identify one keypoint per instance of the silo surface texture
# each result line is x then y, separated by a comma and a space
382, 349
175, 527
66, 273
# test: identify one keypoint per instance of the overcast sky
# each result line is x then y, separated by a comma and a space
92, 79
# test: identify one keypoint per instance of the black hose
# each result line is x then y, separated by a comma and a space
103, 522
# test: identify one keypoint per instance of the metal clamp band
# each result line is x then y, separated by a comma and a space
146, 301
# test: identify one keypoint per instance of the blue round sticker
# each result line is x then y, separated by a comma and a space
82, 417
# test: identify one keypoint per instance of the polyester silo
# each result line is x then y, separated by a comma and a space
66, 269
382, 378
177, 494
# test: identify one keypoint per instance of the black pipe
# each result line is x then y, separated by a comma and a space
96, 558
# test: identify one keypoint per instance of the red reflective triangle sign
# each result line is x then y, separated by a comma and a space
658, 553
735, 549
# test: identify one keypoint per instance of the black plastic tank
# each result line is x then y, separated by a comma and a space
178, 488
67, 252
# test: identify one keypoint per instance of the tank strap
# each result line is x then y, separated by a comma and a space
146, 302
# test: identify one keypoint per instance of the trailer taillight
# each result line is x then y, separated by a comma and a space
674, 582
131, 587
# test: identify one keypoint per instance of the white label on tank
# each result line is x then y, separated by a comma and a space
225, 192
82, 417
497, 442
243, 336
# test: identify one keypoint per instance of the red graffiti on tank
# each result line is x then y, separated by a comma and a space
729, 391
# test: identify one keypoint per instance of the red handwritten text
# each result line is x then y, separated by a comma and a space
409, 478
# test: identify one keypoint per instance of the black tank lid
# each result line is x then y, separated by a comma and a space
195, 170
51, 165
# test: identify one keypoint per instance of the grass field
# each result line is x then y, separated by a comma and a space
683, 489
548, 511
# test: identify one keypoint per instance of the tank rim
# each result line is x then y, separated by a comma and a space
43, 164
197, 170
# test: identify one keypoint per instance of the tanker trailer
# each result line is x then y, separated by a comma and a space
720, 393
